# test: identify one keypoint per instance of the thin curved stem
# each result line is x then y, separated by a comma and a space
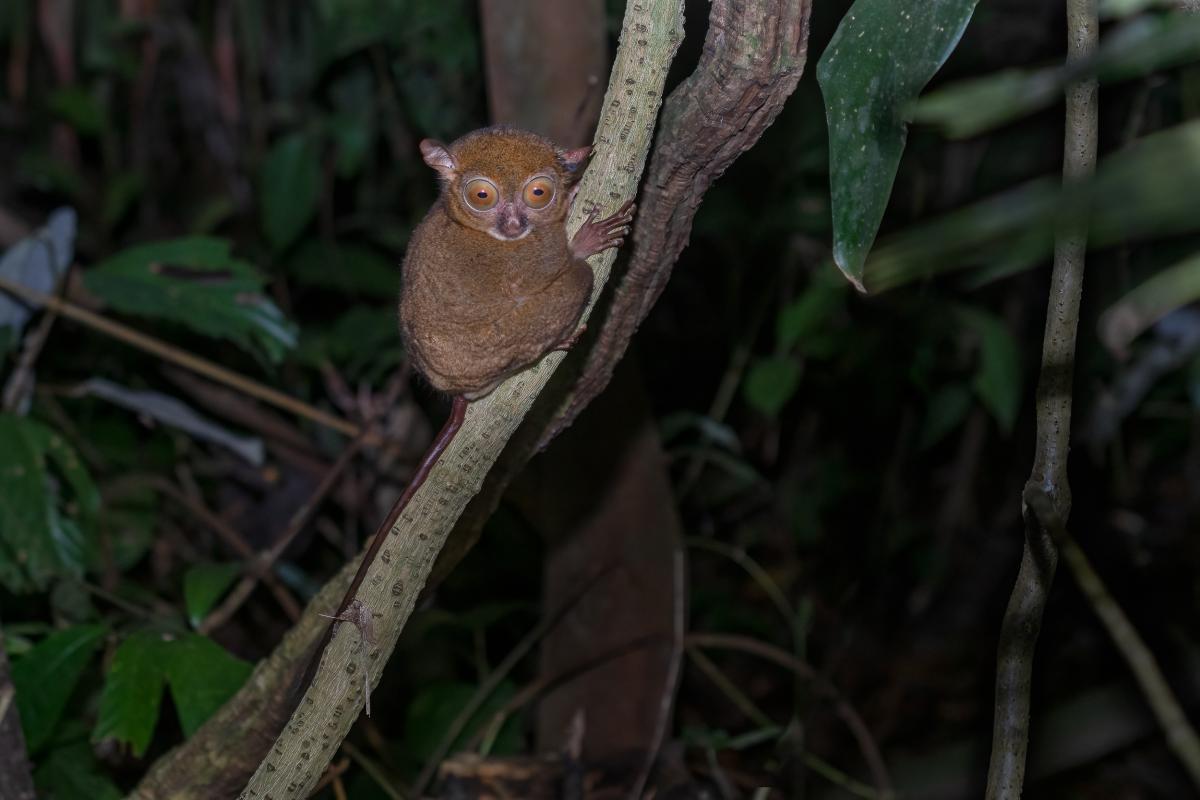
1023, 618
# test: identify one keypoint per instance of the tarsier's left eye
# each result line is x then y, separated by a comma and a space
538, 192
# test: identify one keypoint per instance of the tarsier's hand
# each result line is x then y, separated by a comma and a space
596, 237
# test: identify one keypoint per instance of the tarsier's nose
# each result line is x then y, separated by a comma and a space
511, 223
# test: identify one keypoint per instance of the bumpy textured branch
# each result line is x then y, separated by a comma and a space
1023, 618
650, 35
754, 55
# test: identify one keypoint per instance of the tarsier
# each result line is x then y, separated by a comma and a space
491, 283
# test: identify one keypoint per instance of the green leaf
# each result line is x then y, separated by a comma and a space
947, 409
348, 268
202, 676
882, 55
120, 193
203, 585
770, 383
70, 772
291, 182
198, 283
997, 380
1134, 49
132, 692
76, 106
806, 316
434, 709
363, 342
1171, 288
1145, 189
38, 541
45, 677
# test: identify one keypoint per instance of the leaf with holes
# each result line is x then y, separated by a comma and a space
198, 283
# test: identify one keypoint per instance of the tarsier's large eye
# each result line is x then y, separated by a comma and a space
480, 194
538, 192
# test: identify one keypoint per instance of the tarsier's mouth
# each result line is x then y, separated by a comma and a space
504, 237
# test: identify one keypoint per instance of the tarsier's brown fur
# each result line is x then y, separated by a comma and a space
486, 294
474, 308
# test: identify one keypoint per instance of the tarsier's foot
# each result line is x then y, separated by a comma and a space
569, 342
596, 237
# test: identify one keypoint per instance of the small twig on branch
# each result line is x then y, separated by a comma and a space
1181, 736
175, 355
1023, 618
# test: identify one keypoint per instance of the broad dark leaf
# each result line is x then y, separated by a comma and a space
997, 379
435, 708
770, 383
132, 692
46, 676
291, 181
348, 268
202, 676
880, 58
43, 528
70, 772
203, 585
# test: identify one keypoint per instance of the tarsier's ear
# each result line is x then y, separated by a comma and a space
574, 160
437, 156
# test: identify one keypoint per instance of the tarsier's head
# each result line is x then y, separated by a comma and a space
505, 182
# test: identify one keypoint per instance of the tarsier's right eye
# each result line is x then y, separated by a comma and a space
480, 194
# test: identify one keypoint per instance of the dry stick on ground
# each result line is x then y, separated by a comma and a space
650, 34
177, 356
1023, 618
754, 55
1181, 737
